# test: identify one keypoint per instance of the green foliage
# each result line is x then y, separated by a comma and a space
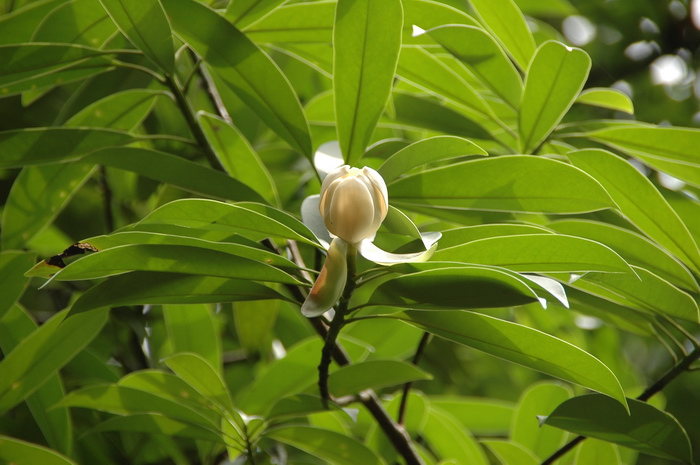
163, 160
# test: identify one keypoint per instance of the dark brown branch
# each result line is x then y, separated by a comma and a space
407, 387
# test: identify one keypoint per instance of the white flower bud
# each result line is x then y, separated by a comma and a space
354, 202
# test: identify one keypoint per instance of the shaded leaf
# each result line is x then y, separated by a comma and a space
202, 377
510, 452
192, 328
373, 374
481, 416
18, 26
20, 452
76, 22
244, 12
13, 264
121, 111
451, 440
155, 423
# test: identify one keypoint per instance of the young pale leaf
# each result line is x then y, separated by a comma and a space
482, 55
202, 377
638, 200
32, 146
193, 328
329, 446
497, 184
426, 151
458, 287
607, 98
537, 253
451, 440
506, 22
13, 265
554, 79
373, 374
20, 452
170, 288
522, 345
41, 354
644, 428
240, 64
510, 452
146, 26
595, 451
366, 43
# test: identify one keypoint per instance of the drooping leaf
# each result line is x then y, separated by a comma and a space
201, 376
496, 184
40, 355
522, 345
639, 201
366, 43
644, 428
373, 374
240, 64
507, 23
607, 98
554, 79
20, 452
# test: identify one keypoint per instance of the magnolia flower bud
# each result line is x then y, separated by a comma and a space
354, 202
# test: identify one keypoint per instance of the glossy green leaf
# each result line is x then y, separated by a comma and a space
497, 184
171, 259
607, 98
241, 219
13, 265
47, 145
508, 25
639, 201
557, 8
18, 25
451, 440
192, 328
240, 64
146, 27
81, 22
458, 287
155, 423
459, 236
238, 157
645, 428
170, 288
329, 446
18, 452
173, 170
510, 452
595, 451
646, 292
244, 12
537, 253
295, 23
554, 79
202, 377
426, 151
373, 374
366, 43
538, 400
522, 345
482, 416
633, 247
55, 424
40, 355
480, 53
29, 66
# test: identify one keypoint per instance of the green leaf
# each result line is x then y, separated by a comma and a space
18, 452
451, 440
607, 98
373, 374
238, 157
54, 424
171, 259
480, 53
244, 219
510, 452
12, 267
645, 428
537, 253
595, 451
254, 322
633, 247
554, 79
81, 22
639, 201
40, 355
426, 151
497, 184
295, 23
540, 399
46, 145
192, 328
508, 25
481, 416
174, 170
329, 446
244, 12
522, 345
121, 111
18, 26
366, 43
296, 406
459, 236
155, 423
240, 64
458, 287
202, 377
645, 291
146, 27
169, 288
171, 387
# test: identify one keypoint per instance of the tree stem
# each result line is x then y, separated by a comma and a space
407, 387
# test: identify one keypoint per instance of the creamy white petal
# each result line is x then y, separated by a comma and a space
373, 253
330, 282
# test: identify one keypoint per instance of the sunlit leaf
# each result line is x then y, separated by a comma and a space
606, 98
244, 12
510, 452
201, 376
373, 374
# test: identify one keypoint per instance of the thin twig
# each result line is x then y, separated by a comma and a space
407, 387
